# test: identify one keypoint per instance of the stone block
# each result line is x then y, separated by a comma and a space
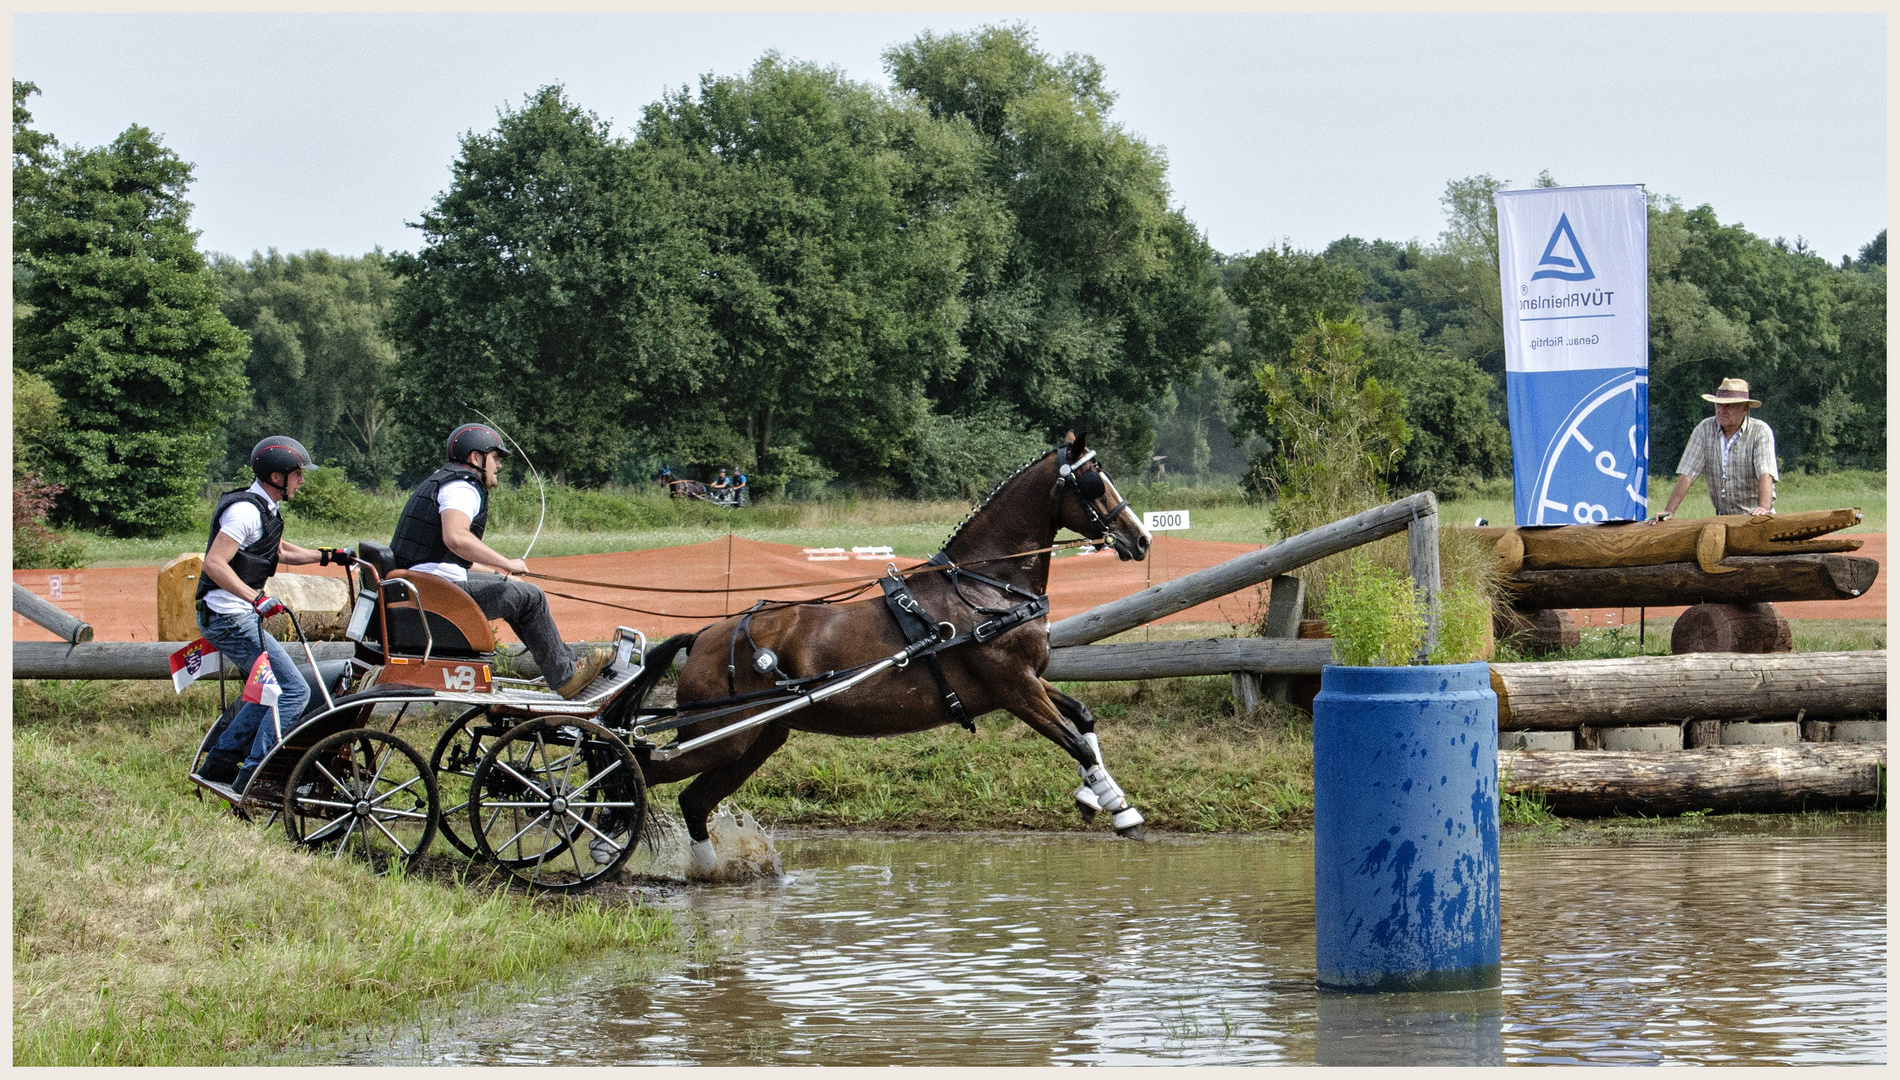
1750, 733
1858, 731
1537, 740
1659, 737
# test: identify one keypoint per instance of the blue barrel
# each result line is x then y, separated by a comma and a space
1405, 828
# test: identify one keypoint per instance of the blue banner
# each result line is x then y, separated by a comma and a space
1574, 270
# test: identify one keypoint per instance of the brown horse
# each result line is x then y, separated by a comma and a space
1064, 488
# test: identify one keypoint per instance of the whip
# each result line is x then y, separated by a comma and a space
531, 469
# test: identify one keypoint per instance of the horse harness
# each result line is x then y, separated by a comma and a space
1089, 486
920, 629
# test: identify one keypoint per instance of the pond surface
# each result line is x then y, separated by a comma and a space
1060, 949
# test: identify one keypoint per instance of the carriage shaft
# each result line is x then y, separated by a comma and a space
666, 753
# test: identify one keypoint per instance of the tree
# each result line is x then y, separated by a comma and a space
835, 221
320, 353
552, 293
1100, 294
1455, 435
119, 315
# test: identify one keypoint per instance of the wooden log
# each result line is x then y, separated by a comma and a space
1176, 659
1544, 631
152, 659
1758, 579
178, 596
1731, 628
49, 615
1241, 572
1598, 783
1285, 601
1422, 552
1559, 695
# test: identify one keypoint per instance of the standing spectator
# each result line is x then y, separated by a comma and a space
1735, 451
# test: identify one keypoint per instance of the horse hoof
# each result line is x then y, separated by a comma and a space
1087, 811
1132, 832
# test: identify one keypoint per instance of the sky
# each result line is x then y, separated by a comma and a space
334, 131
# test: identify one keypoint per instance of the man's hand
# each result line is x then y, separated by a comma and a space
1661, 517
516, 566
1758, 511
266, 606
339, 556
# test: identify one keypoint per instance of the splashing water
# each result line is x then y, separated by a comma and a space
744, 849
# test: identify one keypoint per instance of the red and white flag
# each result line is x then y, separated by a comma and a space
194, 662
262, 685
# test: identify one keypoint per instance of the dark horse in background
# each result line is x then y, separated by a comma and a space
679, 487
1064, 488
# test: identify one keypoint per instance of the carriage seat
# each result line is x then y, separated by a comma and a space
458, 626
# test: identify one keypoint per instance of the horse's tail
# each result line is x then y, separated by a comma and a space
658, 659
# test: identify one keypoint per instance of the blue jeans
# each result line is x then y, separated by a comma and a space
251, 733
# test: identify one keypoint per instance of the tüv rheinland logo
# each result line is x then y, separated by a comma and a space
1553, 265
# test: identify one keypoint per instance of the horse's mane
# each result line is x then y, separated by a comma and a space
987, 499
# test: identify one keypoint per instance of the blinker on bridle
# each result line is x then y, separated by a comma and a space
1089, 486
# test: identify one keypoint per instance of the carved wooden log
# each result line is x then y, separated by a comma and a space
1731, 628
1758, 579
1598, 783
1561, 695
1544, 631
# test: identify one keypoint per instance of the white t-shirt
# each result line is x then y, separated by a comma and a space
243, 523
454, 495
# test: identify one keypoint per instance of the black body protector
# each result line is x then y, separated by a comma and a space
418, 536
253, 564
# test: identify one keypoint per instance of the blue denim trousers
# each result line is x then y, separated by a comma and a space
251, 733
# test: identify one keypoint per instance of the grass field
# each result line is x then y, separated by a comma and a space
588, 522
150, 928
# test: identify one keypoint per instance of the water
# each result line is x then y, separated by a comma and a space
1036, 950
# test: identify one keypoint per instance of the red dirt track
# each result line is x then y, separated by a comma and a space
122, 605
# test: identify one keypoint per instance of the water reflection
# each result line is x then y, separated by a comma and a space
1034, 950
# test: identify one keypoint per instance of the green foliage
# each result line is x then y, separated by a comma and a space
1456, 438
1374, 615
36, 419
1464, 625
964, 458
35, 546
327, 496
552, 292
1088, 294
121, 319
319, 355
1339, 431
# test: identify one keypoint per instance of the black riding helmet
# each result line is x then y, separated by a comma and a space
470, 438
279, 453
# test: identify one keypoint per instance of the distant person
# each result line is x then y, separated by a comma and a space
720, 485
440, 533
1735, 451
245, 547
738, 487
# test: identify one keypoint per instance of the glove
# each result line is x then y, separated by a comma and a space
266, 606
339, 556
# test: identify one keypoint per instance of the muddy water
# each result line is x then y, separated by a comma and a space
1032, 950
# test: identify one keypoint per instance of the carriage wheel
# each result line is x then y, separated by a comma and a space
559, 802
366, 792
457, 753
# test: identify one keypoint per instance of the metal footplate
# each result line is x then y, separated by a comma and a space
630, 649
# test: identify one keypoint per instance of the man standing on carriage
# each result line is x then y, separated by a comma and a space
245, 547
440, 533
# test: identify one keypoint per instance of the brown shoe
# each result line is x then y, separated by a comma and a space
587, 670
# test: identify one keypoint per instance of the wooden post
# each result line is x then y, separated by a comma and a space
1246, 692
46, 614
1284, 604
1239, 573
1422, 537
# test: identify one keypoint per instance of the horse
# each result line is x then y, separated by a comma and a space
678, 488
1064, 488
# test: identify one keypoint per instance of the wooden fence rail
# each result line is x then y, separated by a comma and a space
45, 614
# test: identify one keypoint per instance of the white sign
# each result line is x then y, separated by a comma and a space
1165, 520
1574, 270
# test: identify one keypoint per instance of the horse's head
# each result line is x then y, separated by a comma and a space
1085, 501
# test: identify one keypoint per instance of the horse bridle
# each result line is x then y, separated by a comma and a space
1089, 485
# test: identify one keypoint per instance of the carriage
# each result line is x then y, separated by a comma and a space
554, 791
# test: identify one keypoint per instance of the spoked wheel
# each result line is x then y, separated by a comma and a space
559, 802
457, 753
366, 792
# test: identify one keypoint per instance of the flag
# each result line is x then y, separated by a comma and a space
194, 662
1574, 269
262, 686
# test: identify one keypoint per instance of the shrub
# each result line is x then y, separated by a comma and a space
1464, 617
1374, 615
36, 547
328, 496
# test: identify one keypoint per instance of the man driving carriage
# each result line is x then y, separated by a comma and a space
440, 533
244, 549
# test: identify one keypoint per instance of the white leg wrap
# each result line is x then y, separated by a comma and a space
1127, 819
1085, 796
700, 859
1095, 745
1107, 793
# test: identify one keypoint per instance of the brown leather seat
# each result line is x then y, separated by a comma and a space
457, 624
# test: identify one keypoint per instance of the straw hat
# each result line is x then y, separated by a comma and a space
1732, 392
